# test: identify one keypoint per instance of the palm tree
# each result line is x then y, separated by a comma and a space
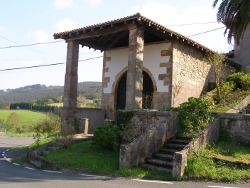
235, 14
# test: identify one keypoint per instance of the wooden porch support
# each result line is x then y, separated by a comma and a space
134, 75
70, 87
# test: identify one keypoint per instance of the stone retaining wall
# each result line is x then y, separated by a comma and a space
209, 135
163, 128
237, 126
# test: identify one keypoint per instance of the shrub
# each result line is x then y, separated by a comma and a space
194, 115
48, 126
107, 136
241, 80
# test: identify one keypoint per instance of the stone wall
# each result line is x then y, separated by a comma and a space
209, 135
237, 126
95, 115
163, 126
190, 73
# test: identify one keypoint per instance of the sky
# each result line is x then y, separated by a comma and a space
24, 22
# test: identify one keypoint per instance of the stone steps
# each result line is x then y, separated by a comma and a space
163, 159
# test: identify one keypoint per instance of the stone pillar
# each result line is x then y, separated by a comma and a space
70, 87
134, 74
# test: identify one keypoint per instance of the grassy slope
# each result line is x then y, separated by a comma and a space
26, 117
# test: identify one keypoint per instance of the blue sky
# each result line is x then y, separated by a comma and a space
35, 21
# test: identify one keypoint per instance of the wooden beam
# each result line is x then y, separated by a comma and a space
97, 33
117, 39
91, 45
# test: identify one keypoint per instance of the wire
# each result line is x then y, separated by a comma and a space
205, 32
191, 24
25, 45
48, 65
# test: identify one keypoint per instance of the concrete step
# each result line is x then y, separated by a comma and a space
45, 152
160, 163
36, 163
157, 168
168, 151
163, 156
53, 148
174, 146
39, 158
57, 144
180, 141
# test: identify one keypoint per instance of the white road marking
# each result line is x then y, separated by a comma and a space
88, 175
150, 181
16, 164
3, 155
4, 152
221, 186
7, 149
29, 168
52, 171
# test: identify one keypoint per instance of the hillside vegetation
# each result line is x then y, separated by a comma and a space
90, 90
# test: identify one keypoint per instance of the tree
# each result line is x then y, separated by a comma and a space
235, 14
216, 61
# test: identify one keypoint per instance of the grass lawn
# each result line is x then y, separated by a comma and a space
86, 156
27, 117
224, 161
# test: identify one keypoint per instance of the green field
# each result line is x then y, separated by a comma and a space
56, 104
26, 117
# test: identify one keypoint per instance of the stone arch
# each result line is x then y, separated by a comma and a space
119, 76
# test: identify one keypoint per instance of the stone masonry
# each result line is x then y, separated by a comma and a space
70, 85
134, 74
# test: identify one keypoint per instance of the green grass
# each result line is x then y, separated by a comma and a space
41, 142
17, 149
230, 101
224, 161
26, 134
27, 117
86, 156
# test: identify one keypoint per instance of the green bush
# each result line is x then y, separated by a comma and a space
194, 115
107, 136
48, 126
241, 80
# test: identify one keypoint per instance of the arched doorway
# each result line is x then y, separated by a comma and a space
147, 93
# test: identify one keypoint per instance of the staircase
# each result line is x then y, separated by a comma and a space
36, 158
163, 159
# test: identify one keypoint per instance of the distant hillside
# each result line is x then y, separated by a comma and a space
90, 90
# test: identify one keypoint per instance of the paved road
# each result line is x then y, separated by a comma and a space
13, 176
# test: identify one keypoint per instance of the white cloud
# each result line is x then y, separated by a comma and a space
63, 3
40, 35
65, 25
94, 1
2, 29
168, 16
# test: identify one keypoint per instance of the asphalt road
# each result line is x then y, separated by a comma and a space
15, 176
